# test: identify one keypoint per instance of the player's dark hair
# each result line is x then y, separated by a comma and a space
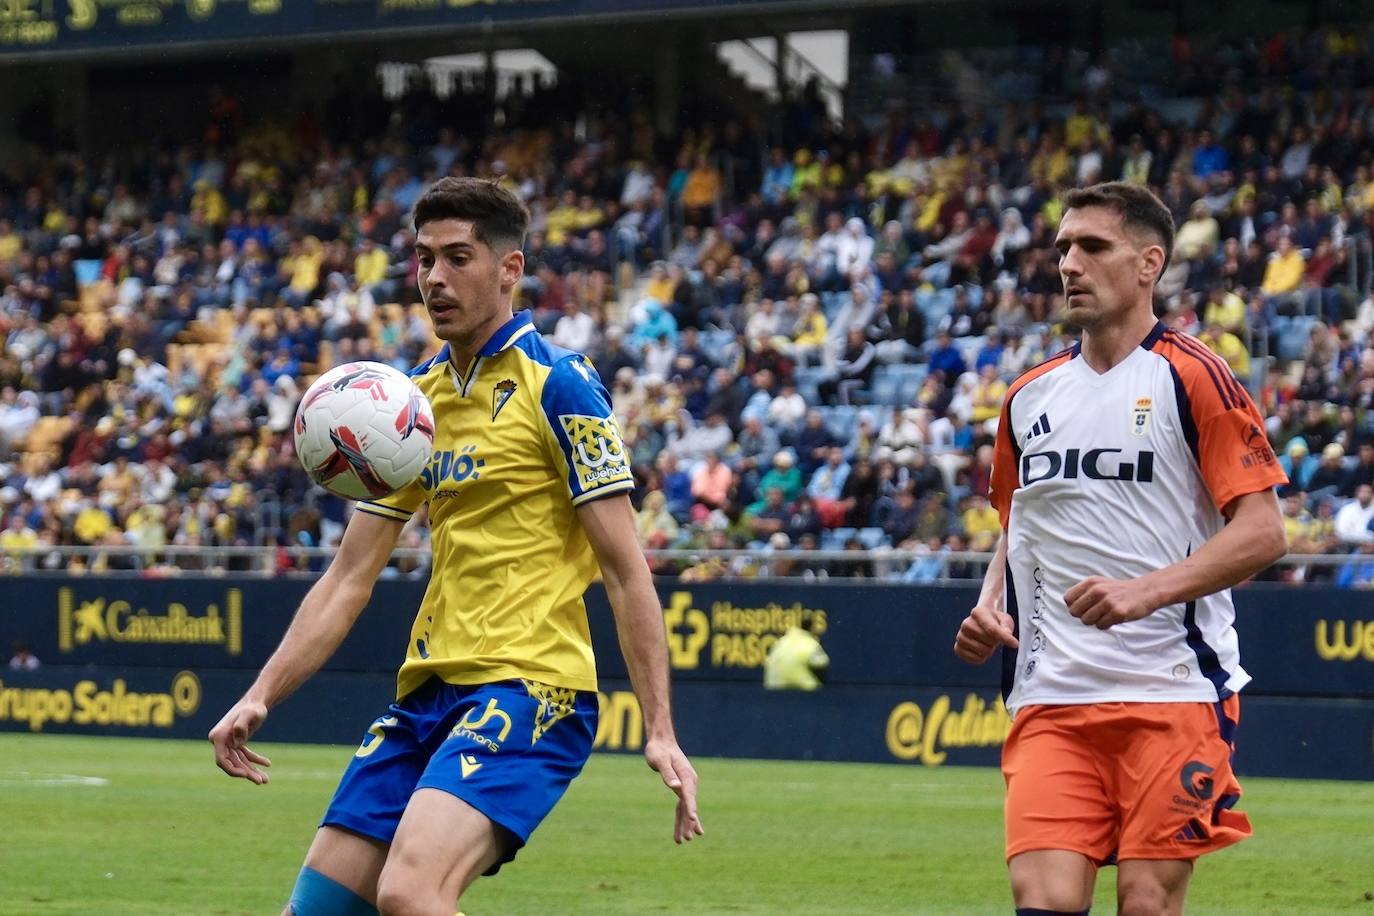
498, 217
1138, 206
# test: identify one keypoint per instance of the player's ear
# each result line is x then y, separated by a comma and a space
512, 267
1151, 264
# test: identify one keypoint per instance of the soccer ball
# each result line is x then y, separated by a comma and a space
364, 430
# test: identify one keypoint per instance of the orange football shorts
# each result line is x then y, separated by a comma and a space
1118, 781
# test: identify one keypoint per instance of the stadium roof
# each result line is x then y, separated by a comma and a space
92, 29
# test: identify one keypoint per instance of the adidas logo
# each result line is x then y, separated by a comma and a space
1041, 427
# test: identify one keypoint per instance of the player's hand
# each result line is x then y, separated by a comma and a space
1101, 602
667, 759
982, 631
230, 738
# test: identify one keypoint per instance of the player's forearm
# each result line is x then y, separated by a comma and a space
995, 579
325, 616
643, 643
1241, 549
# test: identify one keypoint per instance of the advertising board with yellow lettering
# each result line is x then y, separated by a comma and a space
195, 623
165, 657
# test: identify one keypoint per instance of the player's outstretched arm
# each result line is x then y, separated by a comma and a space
326, 614
988, 626
1252, 540
609, 524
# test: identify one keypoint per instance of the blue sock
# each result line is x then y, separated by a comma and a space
318, 895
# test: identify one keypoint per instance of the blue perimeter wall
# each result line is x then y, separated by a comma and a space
167, 657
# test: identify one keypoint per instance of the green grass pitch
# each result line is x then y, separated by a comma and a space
96, 826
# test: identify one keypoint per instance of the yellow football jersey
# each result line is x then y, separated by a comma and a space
522, 437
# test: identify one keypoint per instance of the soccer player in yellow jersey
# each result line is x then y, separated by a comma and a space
496, 699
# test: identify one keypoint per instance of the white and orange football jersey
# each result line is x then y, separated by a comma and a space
1119, 474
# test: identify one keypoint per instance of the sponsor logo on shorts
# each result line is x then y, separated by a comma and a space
470, 726
1196, 778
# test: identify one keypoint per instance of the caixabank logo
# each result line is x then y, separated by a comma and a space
114, 619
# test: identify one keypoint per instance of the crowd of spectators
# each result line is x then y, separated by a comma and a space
806, 330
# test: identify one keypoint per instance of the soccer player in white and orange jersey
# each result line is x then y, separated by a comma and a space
1135, 486
496, 703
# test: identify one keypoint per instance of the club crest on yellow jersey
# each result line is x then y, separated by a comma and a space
501, 393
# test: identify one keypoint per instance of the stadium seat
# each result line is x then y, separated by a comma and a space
808, 379
1294, 335
885, 388
873, 538
835, 538
841, 419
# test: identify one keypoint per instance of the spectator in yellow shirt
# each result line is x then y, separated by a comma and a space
809, 333
982, 524
1283, 275
10, 242
1199, 234
1225, 309
369, 268
1082, 125
210, 202
660, 286
797, 661
17, 538
988, 394
700, 192
1229, 347
562, 220
301, 267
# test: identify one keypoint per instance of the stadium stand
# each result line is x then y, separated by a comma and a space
863, 290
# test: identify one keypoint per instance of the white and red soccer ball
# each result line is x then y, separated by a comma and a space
364, 430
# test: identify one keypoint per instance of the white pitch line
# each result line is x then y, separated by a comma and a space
23, 778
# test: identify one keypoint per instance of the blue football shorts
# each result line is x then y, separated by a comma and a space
508, 749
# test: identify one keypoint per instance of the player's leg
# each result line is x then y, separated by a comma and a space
510, 754
339, 877
350, 848
1052, 881
441, 847
1152, 887
1177, 799
1060, 822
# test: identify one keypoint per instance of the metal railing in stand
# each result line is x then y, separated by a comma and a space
884, 565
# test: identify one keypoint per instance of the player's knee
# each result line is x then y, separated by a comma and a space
1141, 896
316, 894
404, 892
1037, 892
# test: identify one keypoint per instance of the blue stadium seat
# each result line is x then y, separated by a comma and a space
841, 419
886, 386
1294, 335
911, 386
873, 538
808, 381
835, 538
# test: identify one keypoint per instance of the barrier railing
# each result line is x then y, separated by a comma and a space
880, 564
